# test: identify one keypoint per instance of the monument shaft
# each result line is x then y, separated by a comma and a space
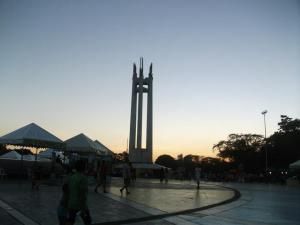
141, 85
140, 107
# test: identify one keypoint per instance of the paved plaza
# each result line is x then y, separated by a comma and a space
154, 203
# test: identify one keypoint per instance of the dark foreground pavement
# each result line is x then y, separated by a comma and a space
155, 204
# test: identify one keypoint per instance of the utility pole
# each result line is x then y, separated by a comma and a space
264, 114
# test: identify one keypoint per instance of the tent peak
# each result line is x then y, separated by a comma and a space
81, 143
81, 135
31, 135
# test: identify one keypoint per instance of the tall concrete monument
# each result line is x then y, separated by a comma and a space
140, 85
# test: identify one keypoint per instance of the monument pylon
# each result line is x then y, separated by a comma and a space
141, 85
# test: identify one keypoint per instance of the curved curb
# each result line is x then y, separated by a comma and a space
236, 196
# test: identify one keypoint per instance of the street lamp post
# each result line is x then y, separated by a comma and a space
264, 113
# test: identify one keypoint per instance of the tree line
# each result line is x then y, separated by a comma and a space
247, 152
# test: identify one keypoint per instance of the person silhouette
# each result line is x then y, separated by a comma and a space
101, 176
126, 176
77, 199
166, 175
161, 175
198, 175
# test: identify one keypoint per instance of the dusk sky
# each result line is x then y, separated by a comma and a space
217, 64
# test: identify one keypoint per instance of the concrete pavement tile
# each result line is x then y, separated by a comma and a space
137, 205
152, 222
190, 217
42, 204
222, 208
217, 220
173, 200
151, 198
142, 202
15, 214
258, 216
179, 221
7, 219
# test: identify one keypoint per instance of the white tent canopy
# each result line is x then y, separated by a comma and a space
102, 148
48, 153
81, 143
295, 165
16, 156
11, 155
31, 135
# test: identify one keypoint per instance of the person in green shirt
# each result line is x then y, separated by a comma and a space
77, 195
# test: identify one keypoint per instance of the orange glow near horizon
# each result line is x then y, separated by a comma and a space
172, 151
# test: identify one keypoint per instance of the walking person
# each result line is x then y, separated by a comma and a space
101, 177
126, 177
166, 175
133, 174
77, 199
62, 209
161, 175
36, 176
198, 175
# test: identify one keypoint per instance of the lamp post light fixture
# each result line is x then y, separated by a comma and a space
264, 113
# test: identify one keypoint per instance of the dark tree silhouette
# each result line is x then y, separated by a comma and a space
120, 157
242, 150
284, 145
288, 125
166, 160
214, 165
189, 163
